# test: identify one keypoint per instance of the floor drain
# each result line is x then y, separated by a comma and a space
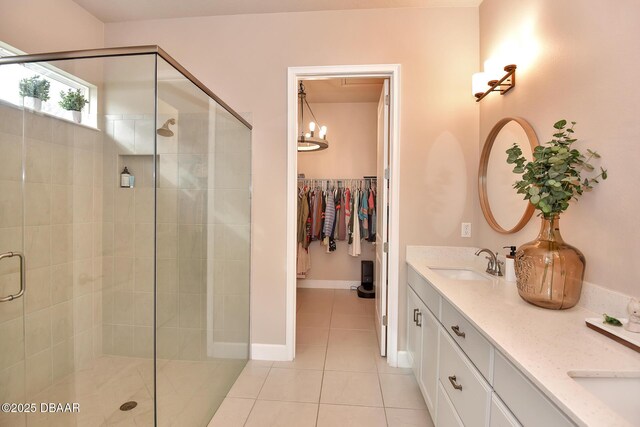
127, 406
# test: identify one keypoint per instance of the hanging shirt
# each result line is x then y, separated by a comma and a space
314, 214
363, 214
354, 247
303, 214
348, 203
342, 224
319, 214
307, 225
329, 215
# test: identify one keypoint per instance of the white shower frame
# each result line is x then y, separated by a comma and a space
392, 72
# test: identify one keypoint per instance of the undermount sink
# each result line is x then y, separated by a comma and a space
459, 274
619, 391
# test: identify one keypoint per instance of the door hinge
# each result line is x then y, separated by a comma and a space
386, 173
384, 320
385, 247
386, 100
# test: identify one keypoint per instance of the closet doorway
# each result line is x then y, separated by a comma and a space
342, 202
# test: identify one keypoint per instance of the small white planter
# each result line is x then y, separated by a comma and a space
33, 103
77, 116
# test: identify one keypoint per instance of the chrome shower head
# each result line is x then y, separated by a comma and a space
164, 130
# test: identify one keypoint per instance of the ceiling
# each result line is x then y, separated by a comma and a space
137, 10
353, 89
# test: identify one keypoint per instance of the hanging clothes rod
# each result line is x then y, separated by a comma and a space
366, 178
325, 183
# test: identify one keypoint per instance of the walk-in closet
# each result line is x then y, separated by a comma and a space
340, 205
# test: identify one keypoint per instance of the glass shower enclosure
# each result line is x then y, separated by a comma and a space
125, 244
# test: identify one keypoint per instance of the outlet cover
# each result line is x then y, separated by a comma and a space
465, 230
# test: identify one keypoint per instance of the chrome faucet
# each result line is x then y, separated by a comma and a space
494, 267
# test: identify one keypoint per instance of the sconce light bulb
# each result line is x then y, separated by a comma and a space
307, 135
493, 70
312, 126
478, 83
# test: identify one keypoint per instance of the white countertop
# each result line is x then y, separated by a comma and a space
544, 344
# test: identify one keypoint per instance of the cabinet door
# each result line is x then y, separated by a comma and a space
413, 331
428, 379
500, 414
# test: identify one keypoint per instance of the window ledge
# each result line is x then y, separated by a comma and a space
44, 113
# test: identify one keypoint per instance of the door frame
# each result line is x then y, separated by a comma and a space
392, 72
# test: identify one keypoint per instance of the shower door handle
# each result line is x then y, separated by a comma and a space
22, 276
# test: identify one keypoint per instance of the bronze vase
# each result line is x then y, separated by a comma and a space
549, 272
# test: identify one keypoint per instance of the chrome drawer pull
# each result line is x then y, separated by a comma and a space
452, 380
415, 313
419, 319
456, 329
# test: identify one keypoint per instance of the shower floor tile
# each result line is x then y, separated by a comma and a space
189, 391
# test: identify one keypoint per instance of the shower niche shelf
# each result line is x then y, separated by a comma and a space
140, 166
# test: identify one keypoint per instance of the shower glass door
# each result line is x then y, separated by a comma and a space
12, 307
203, 240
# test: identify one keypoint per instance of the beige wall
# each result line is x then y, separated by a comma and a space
37, 26
352, 154
586, 60
242, 59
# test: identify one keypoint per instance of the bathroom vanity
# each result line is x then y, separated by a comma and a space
484, 357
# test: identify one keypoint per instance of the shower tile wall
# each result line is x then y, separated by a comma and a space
181, 234
128, 237
62, 243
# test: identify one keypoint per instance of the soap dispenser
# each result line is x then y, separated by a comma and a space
509, 265
125, 178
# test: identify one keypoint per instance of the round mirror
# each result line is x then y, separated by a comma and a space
504, 209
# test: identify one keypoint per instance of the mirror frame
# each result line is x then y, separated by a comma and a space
482, 174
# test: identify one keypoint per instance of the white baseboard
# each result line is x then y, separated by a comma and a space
326, 284
404, 359
277, 352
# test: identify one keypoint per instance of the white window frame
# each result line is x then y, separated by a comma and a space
61, 76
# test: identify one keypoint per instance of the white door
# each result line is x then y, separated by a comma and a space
382, 212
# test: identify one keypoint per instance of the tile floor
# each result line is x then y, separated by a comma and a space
189, 392
337, 378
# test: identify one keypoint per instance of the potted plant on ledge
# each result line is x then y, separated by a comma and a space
549, 272
73, 101
34, 90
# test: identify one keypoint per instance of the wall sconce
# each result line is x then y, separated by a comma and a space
491, 77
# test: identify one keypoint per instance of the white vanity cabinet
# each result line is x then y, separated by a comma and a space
464, 380
422, 345
523, 398
428, 378
414, 338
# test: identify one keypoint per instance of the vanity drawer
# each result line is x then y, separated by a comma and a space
501, 416
468, 391
529, 405
468, 338
446, 414
425, 291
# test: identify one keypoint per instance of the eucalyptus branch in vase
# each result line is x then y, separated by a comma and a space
553, 177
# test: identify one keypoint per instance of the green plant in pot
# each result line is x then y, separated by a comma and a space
74, 101
34, 90
549, 272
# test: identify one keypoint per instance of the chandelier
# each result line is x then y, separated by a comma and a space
308, 141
